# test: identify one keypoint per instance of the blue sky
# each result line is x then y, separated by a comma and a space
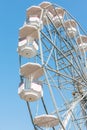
13, 110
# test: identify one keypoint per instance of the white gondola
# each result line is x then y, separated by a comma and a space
48, 10
58, 16
32, 93
34, 15
28, 31
46, 120
33, 70
70, 27
82, 42
27, 48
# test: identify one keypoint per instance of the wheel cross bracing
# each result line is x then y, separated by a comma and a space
53, 79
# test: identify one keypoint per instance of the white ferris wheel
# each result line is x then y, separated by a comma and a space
53, 71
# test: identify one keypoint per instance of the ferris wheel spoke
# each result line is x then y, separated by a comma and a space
72, 55
62, 54
61, 74
54, 102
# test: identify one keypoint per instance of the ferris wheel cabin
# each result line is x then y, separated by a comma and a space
27, 46
47, 12
70, 27
29, 90
58, 16
34, 16
82, 41
32, 93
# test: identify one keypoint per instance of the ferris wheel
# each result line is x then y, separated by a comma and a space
53, 70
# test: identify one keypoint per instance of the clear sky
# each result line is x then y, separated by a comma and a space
13, 110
